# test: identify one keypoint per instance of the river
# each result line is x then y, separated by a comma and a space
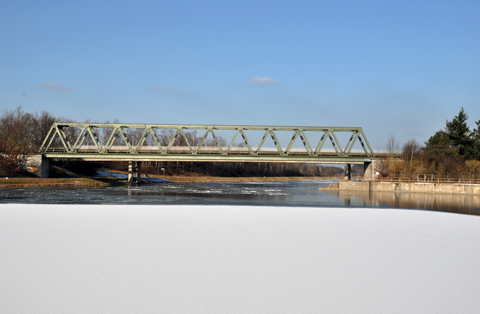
288, 193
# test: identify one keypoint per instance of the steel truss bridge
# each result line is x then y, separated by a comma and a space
83, 141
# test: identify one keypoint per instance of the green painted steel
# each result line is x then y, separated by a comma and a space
207, 158
82, 141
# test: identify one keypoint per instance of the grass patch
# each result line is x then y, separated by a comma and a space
65, 182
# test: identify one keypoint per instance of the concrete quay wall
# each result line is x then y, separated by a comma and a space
419, 187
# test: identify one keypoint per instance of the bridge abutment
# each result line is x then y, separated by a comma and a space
369, 170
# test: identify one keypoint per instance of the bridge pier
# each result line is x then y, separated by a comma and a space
130, 172
45, 168
138, 165
347, 171
139, 171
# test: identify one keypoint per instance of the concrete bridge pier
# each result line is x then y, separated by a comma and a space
130, 172
347, 170
45, 168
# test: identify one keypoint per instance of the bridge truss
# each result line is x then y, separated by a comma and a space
83, 141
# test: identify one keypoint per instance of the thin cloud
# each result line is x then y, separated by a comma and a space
55, 86
170, 89
263, 80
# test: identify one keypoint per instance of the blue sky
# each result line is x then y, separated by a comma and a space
396, 68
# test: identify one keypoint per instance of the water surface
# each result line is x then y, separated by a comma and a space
288, 193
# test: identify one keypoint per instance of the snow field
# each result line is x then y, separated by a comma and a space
234, 259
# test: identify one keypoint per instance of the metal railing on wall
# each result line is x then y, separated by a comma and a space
431, 179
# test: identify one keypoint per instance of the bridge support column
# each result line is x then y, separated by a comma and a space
45, 168
369, 170
347, 170
130, 172
139, 171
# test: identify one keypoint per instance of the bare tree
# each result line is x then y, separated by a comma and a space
410, 152
382, 168
392, 145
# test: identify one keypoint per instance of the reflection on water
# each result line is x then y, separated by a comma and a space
289, 193
465, 204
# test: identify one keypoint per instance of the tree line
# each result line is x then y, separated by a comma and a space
451, 152
22, 134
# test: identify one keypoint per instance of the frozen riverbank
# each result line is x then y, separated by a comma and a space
221, 259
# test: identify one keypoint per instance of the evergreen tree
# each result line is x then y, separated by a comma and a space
438, 140
476, 141
459, 134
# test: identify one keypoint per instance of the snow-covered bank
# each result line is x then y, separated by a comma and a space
219, 259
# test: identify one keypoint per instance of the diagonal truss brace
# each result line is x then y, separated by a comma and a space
215, 138
305, 142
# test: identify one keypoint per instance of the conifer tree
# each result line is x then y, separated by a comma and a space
459, 134
476, 141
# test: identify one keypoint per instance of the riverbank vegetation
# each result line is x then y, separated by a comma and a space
8, 182
453, 152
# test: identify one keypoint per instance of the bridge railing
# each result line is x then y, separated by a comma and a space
78, 138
